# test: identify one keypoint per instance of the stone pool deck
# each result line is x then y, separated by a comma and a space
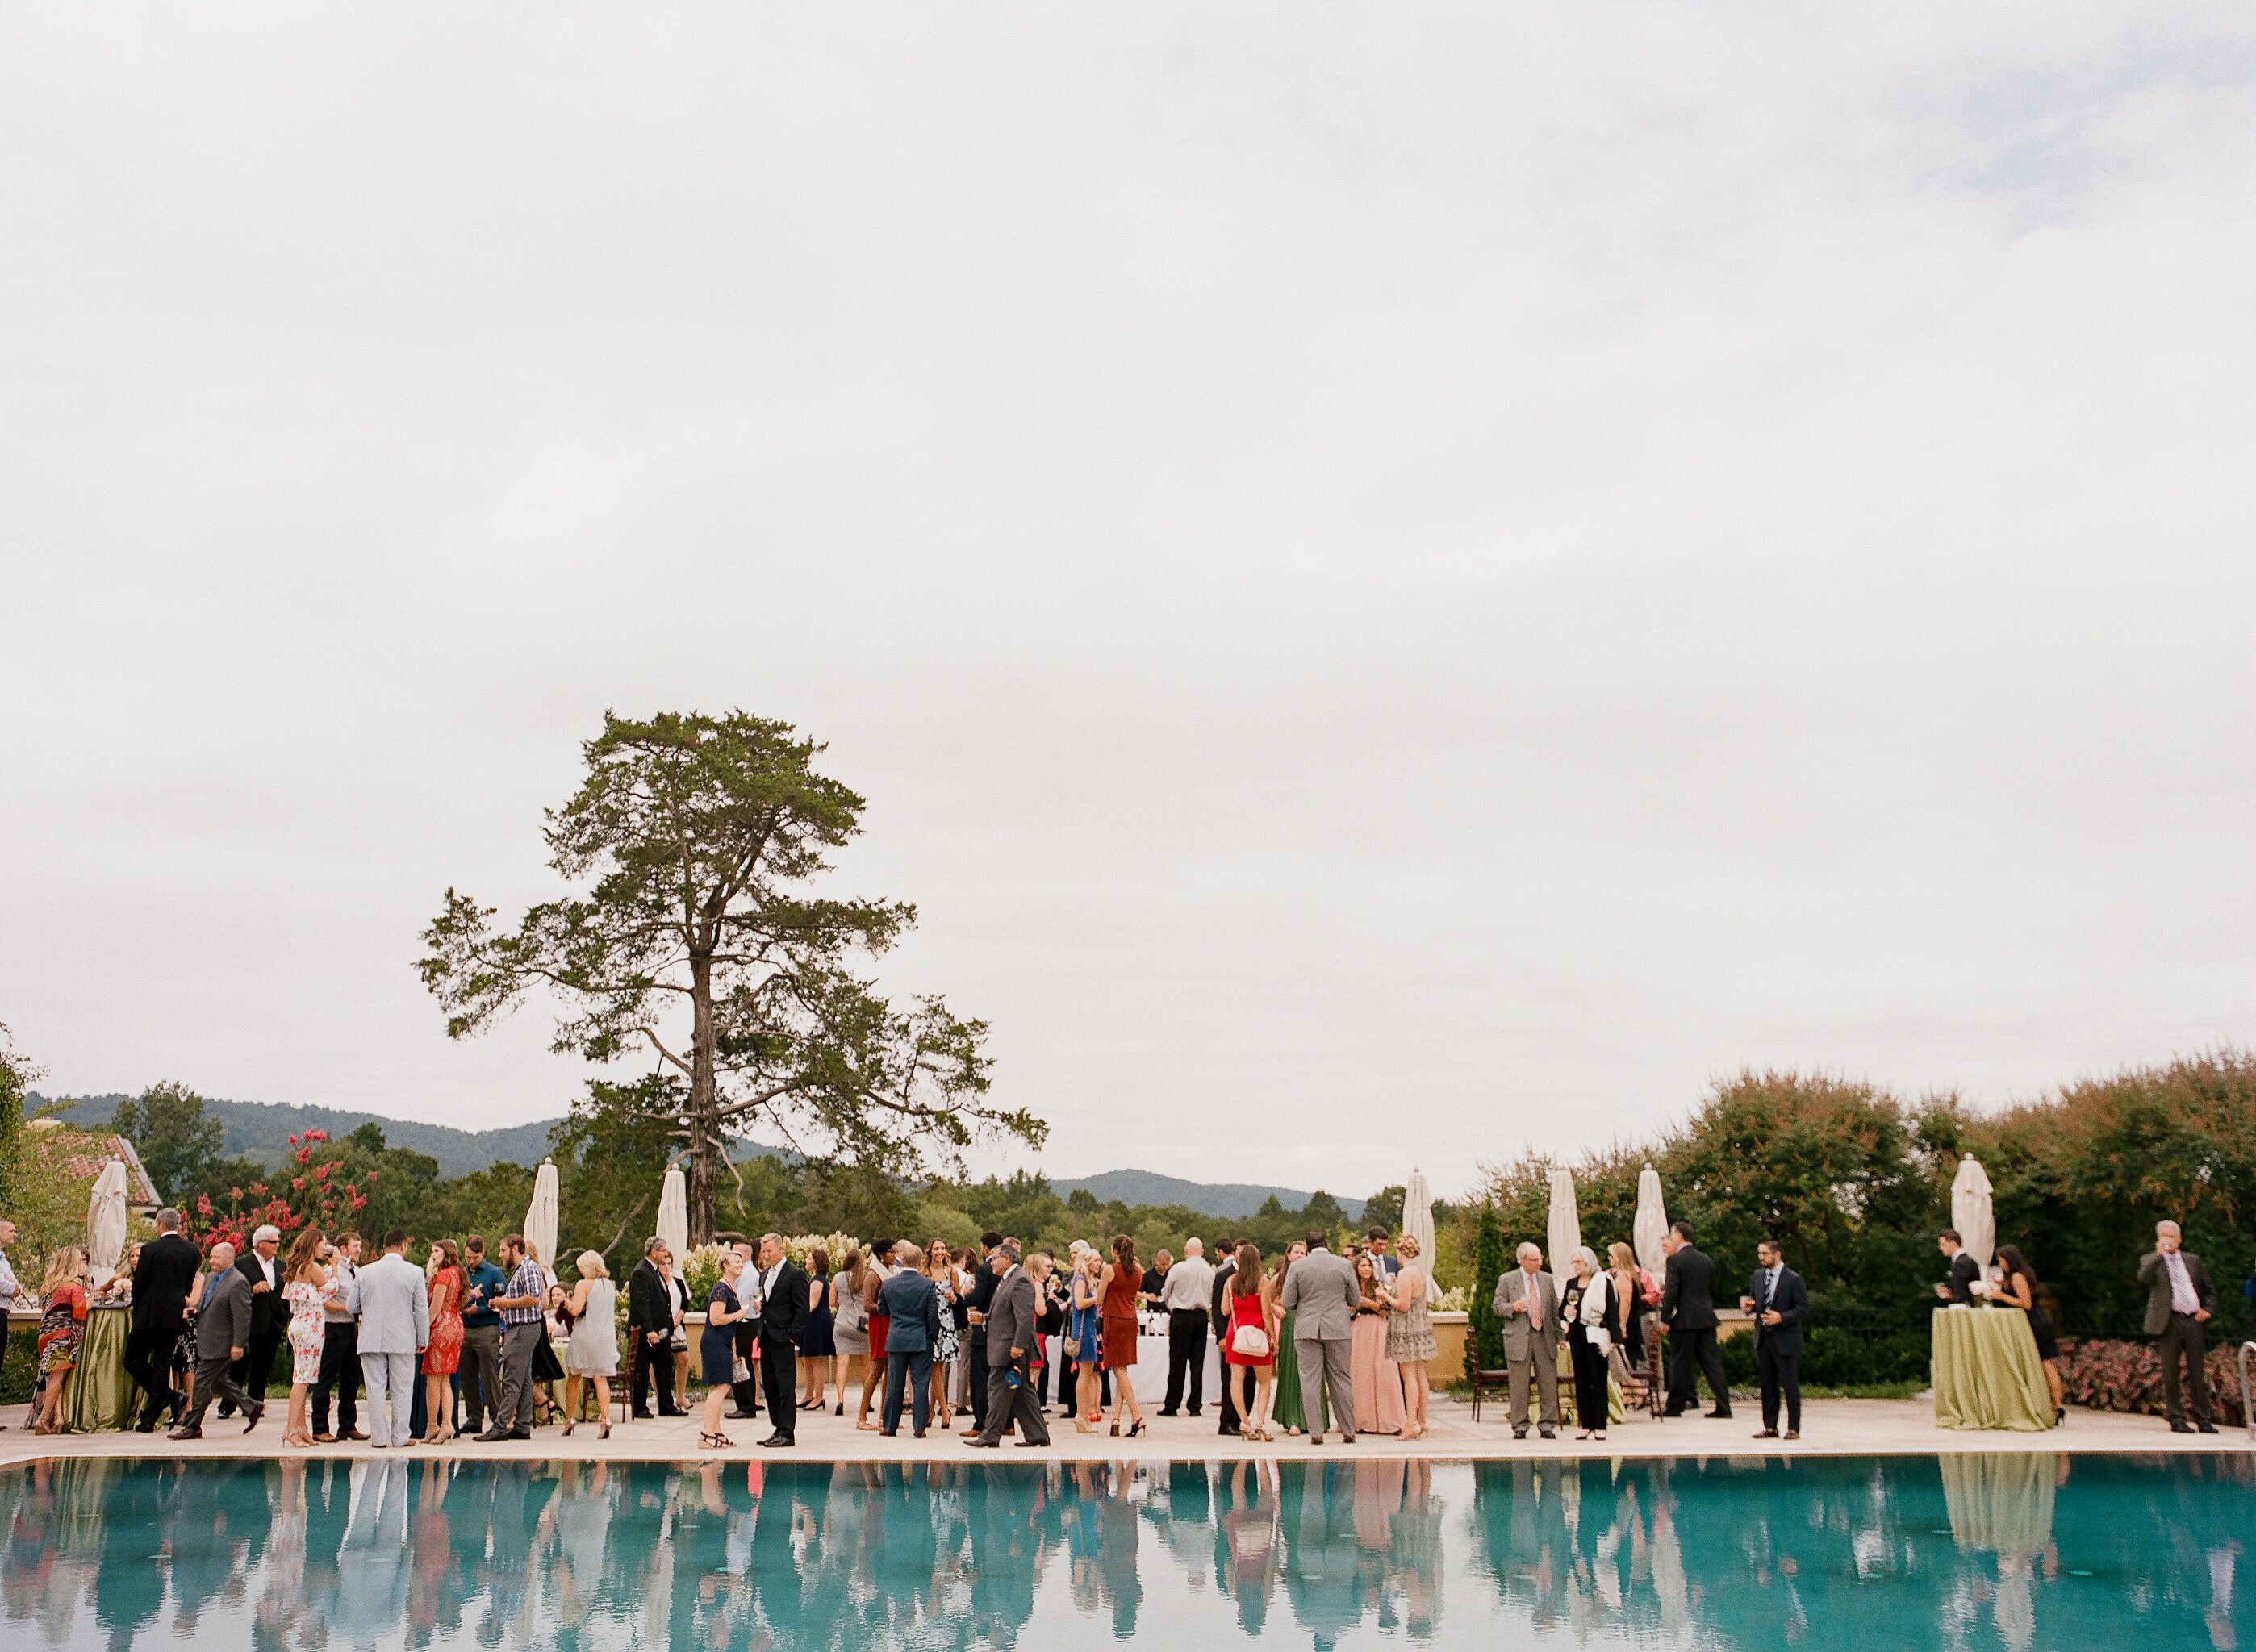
1829, 1428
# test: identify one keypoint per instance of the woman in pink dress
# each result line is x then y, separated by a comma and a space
444, 1352
1377, 1379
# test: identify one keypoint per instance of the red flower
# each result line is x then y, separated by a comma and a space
293, 1141
235, 1194
297, 1183
204, 1204
317, 1136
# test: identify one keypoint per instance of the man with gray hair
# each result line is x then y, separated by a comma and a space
261, 1268
1009, 1333
223, 1337
162, 1279
1527, 1302
2180, 1301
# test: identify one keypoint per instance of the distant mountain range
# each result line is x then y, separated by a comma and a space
1208, 1199
262, 1130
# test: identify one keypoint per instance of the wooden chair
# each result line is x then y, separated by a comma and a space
1483, 1380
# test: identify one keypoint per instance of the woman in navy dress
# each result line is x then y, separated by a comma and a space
718, 1349
817, 1347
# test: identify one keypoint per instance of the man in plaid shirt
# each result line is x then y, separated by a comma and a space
522, 1328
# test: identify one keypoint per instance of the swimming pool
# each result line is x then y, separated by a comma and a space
2023, 1550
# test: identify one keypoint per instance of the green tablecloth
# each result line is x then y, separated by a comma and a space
1987, 1371
100, 1395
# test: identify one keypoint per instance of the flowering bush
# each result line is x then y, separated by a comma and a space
1451, 1300
2127, 1376
309, 1196
700, 1272
800, 1248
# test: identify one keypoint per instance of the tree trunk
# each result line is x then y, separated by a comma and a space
703, 1177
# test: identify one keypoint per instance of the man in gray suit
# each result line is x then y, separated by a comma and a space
1010, 1331
1527, 1302
1322, 1293
395, 1324
223, 1334
2180, 1301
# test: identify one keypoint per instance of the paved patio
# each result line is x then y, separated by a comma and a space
1829, 1428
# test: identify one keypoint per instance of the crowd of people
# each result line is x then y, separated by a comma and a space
1307, 1341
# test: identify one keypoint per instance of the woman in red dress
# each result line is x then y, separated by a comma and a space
1249, 1312
1122, 1278
444, 1351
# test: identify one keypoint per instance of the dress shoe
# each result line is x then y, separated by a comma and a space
1672, 1412
1765, 1433
146, 1425
1721, 1416
2205, 1426
1165, 1412
1347, 1439
920, 1433
1548, 1433
251, 1413
1793, 1434
491, 1435
325, 1439
1193, 1411
1520, 1433
356, 1434
2181, 1428
186, 1434
988, 1445
740, 1416
1032, 1445
643, 1417
779, 1439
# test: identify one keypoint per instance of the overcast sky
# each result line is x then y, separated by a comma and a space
1402, 582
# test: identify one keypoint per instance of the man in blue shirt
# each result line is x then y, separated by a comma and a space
480, 1371
911, 1303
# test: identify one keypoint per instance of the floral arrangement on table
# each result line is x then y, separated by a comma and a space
2127, 1376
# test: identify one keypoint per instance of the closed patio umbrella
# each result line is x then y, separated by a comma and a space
105, 1222
1652, 1222
673, 1215
1566, 1228
1970, 1211
540, 1219
1418, 1221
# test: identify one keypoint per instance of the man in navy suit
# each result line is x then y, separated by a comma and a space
1780, 1303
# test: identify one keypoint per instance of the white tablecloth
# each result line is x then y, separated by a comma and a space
1151, 1372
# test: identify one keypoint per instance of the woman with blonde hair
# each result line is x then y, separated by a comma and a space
1625, 1304
849, 1331
1410, 1335
940, 1268
592, 1353
305, 1283
62, 1294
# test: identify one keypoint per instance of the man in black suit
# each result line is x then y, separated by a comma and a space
1687, 1308
1780, 1304
270, 1315
1225, 1268
2180, 1303
650, 1335
161, 1281
783, 1312
1964, 1270
976, 1302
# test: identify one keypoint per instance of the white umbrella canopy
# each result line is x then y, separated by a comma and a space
673, 1215
1566, 1228
1418, 1221
1970, 1211
1652, 1222
540, 1219
105, 1222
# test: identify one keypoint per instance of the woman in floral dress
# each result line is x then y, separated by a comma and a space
305, 1287
64, 1294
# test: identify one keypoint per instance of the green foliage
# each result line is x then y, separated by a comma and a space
1384, 1208
1484, 1332
17, 1076
695, 942
179, 1142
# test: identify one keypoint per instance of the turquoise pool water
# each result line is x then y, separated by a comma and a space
2028, 1551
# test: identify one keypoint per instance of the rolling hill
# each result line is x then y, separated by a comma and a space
1208, 1199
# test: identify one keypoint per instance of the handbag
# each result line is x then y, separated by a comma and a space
1072, 1347
1250, 1340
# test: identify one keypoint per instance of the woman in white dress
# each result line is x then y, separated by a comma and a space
592, 1355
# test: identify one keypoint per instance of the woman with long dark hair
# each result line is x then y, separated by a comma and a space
305, 1284
2017, 1285
444, 1352
1249, 1347
1122, 1279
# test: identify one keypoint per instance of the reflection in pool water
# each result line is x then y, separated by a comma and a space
2026, 1550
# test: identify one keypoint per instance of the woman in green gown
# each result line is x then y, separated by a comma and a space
1290, 1414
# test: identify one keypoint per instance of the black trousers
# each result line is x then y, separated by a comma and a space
747, 1393
149, 1362
975, 1375
779, 1375
1186, 1353
1007, 1405
1698, 1346
649, 1361
1780, 1373
341, 1370
2185, 1336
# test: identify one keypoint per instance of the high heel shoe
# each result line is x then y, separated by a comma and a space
841, 1411
568, 1427
1138, 1428
603, 1432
